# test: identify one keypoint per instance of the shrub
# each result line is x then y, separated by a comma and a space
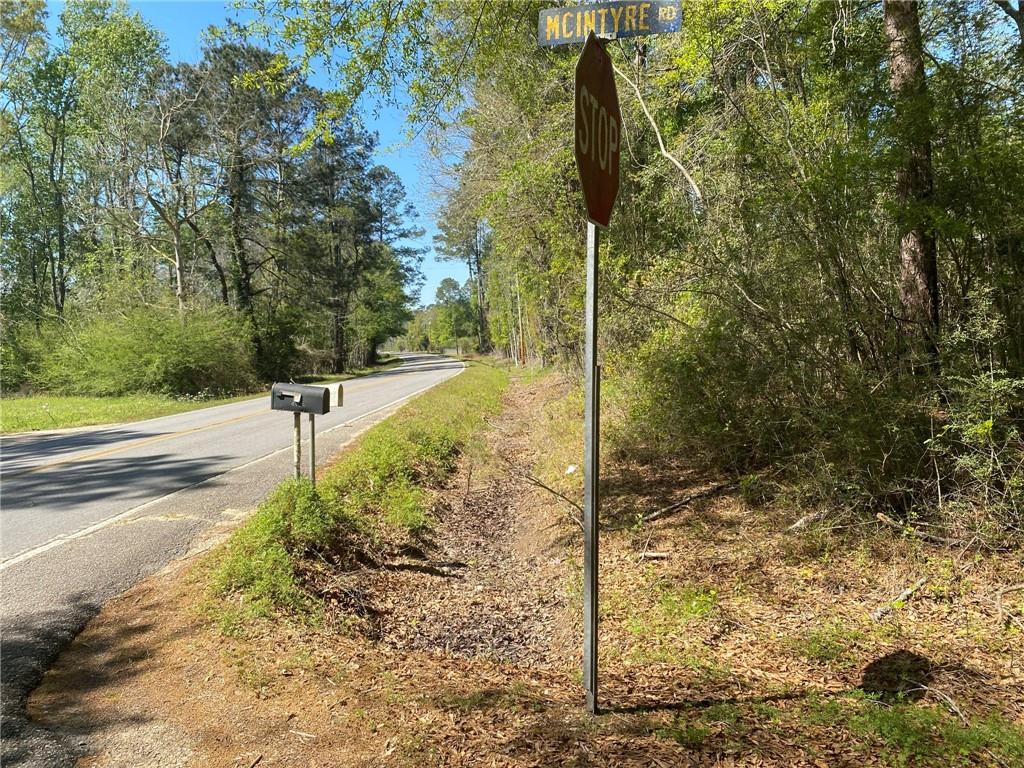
260, 558
152, 348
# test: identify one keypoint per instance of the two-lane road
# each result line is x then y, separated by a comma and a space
87, 513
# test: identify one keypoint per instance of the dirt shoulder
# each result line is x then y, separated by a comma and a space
726, 640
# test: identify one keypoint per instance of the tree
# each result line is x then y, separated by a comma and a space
454, 312
179, 182
464, 237
919, 275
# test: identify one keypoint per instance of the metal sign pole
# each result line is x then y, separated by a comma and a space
297, 445
312, 449
591, 475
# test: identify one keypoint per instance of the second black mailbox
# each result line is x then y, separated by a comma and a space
300, 398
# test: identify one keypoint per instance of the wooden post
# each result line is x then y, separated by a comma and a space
312, 449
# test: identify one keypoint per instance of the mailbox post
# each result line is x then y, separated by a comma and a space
312, 448
300, 399
297, 444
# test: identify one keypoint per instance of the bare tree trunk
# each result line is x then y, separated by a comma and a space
243, 283
179, 268
919, 278
212, 253
522, 333
477, 267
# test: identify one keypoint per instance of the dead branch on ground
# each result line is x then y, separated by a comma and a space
1006, 616
886, 608
536, 482
917, 532
714, 489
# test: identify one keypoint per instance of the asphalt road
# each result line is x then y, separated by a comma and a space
85, 514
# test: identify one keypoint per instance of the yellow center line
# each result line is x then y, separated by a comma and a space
133, 444
145, 441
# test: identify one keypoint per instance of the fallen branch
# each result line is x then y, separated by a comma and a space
654, 555
918, 533
538, 483
1006, 616
688, 500
886, 608
806, 520
950, 704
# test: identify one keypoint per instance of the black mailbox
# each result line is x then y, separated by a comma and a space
300, 398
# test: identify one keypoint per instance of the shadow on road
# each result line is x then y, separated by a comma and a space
405, 371
23, 451
123, 477
29, 645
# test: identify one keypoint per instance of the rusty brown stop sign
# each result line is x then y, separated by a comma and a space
598, 130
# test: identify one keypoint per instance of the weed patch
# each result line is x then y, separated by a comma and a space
674, 608
919, 735
828, 644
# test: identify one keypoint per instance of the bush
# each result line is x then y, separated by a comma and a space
260, 558
153, 348
22, 348
946, 444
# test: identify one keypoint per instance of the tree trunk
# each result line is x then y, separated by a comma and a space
212, 253
339, 342
481, 309
240, 262
179, 268
919, 279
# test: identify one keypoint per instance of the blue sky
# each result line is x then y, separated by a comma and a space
182, 22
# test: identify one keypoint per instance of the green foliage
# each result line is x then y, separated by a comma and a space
830, 643
152, 348
398, 461
689, 735
118, 166
899, 734
762, 323
674, 607
259, 560
917, 735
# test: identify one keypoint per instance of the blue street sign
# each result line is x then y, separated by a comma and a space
611, 21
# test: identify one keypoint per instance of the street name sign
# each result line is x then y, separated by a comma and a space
610, 20
598, 131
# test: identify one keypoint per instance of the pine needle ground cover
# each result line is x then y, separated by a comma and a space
727, 637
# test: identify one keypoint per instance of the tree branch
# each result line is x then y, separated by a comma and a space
661, 142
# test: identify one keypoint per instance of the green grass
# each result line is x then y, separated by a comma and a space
382, 488
915, 735
903, 733
830, 643
30, 413
675, 607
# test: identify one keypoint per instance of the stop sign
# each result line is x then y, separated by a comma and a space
598, 129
